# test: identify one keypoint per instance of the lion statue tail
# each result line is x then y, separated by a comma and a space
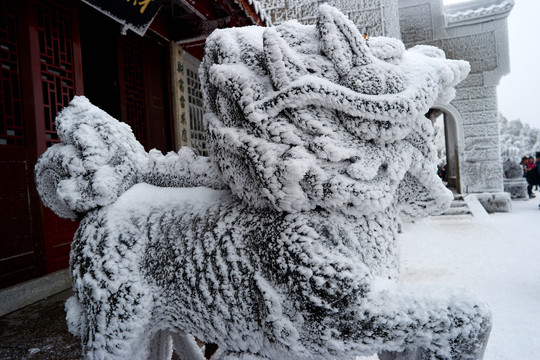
99, 158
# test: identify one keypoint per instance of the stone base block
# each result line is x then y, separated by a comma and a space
517, 188
495, 202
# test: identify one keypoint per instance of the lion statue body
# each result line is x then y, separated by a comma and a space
281, 244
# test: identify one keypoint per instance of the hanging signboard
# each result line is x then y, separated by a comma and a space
136, 15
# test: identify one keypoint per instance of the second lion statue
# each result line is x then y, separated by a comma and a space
281, 244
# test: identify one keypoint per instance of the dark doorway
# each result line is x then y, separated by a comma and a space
128, 77
160, 131
100, 60
446, 140
144, 90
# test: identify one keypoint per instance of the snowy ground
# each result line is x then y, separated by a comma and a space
498, 258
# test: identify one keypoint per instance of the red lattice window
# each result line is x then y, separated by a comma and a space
11, 123
132, 71
56, 56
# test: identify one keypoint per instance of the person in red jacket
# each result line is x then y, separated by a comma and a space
532, 174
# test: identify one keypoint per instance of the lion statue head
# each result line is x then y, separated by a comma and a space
315, 116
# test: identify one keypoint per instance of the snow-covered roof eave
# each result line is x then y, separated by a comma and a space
252, 9
255, 10
476, 11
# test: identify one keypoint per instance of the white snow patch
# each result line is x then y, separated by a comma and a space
497, 258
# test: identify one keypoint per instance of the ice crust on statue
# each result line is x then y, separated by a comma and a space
281, 244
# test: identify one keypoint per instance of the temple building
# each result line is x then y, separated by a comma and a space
136, 59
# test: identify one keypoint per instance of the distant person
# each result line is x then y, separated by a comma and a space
537, 166
533, 167
524, 165
538, 169
441, 171
531, 164
533, 174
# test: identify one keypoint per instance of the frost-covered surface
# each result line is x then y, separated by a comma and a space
282, 245
456, 13
496, 258
99, 159
377, 17
514, 181
518, 139
260, 11
326, 107
512, 169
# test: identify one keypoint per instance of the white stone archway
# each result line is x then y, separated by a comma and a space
454, 140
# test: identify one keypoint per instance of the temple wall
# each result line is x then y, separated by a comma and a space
377, 17
483, 41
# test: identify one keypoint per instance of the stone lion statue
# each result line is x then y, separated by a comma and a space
281, 244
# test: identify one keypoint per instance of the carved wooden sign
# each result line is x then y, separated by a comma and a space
136, 15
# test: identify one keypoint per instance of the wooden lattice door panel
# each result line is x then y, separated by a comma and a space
19, 249
54, 25
61, 78
11, 123
19, 252
40, 72
160, 132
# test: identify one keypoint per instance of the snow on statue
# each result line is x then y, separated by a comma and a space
281, 244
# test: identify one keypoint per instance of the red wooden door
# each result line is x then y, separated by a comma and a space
160, 133
131, 85
144, 96
40, 73
60, 71
21, 251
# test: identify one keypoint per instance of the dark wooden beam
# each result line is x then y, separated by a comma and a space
202, 8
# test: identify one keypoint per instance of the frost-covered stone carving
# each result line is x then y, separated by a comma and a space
512, 169
514, 181
281, 245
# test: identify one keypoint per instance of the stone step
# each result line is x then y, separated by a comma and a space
464, 207
461, 210
458, 209
458, 204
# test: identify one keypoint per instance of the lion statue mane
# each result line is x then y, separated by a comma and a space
282, 243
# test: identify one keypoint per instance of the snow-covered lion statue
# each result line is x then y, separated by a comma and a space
281, 244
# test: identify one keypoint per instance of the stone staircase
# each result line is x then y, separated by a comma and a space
458, 207
464, 207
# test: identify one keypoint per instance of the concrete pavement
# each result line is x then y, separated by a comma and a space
39, 332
